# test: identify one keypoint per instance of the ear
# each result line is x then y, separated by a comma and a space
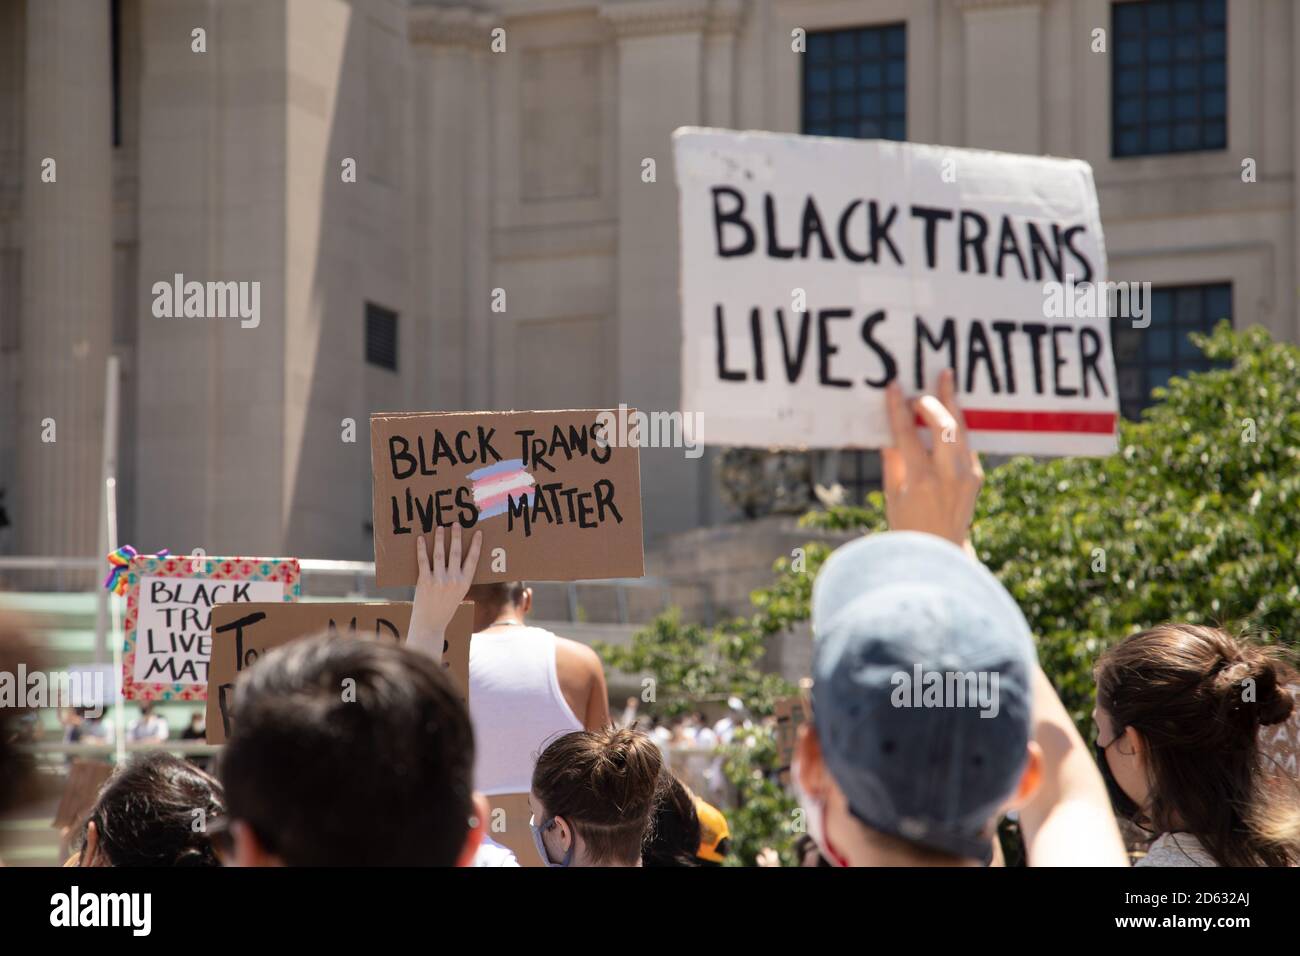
474, 836
567, 836
90, 855
1131, 743
1030, 779
248, 848
526, 602
809, 769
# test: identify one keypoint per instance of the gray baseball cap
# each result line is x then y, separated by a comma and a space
921, 698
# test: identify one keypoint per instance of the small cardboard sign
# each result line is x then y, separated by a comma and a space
508, 825
817, 271
168, 616
1279, 745
790, 713
242, 633
555, 495
85, 778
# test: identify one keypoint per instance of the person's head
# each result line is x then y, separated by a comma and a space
146, 709
197, 719
1178, 713
353, 753
156, 810
593, 797
919, 736
675, 832
492, 601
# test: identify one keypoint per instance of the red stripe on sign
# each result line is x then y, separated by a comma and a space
993, 420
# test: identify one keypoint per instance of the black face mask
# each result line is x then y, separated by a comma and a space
1122, 803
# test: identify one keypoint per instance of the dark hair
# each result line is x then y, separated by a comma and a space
1184, 688
675, 830
497, 595
605, 783
351, 752
155, 810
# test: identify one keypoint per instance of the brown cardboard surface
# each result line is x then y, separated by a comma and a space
81, 790
789, 713
581, 519
508, 825
234, 648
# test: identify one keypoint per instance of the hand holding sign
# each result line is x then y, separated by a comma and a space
440, 589
556, 495
932, 491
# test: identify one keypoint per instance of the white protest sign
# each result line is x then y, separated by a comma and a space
168, 626
815, 271
173, 630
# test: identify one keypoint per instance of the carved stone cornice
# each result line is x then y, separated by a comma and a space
463, 26
973, 5
637, 18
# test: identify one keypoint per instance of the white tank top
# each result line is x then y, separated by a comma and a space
515, 704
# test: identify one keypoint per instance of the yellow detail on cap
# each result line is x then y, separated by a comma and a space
713, 830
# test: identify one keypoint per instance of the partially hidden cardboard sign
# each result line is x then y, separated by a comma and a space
508, 825
790, 713
816, 271
242, 633
168, 610
1279, 745
85, 778
554, 493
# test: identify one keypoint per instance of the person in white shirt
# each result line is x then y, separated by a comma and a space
526, 687
149, 727
492, 853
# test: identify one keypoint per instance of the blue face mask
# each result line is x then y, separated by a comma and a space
541, 845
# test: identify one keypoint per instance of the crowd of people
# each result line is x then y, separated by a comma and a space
363, 752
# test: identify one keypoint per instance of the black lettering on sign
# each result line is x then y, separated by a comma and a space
248, 620
882, 353
947, 338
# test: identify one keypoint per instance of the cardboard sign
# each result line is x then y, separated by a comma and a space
790, 713
242, 633
168, 612
85, 778
555, 498
816, 271
1279, 745
508, 824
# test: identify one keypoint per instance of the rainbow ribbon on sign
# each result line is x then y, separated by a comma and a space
121, 562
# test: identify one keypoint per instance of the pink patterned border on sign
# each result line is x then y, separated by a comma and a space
284, 570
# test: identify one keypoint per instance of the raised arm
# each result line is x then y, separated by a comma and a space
440, 588
1069, 821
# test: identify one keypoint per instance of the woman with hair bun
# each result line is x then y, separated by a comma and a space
1179, 712
593, 796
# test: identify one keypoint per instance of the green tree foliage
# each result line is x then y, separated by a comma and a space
1197, 519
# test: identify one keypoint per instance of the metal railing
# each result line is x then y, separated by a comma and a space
363, 575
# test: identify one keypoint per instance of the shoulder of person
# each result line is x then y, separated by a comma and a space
576, 654
1177, 849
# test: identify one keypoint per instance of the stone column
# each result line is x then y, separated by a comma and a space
66, 276
661, 83
451, 291
1004, 74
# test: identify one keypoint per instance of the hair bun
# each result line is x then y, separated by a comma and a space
1249, 690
